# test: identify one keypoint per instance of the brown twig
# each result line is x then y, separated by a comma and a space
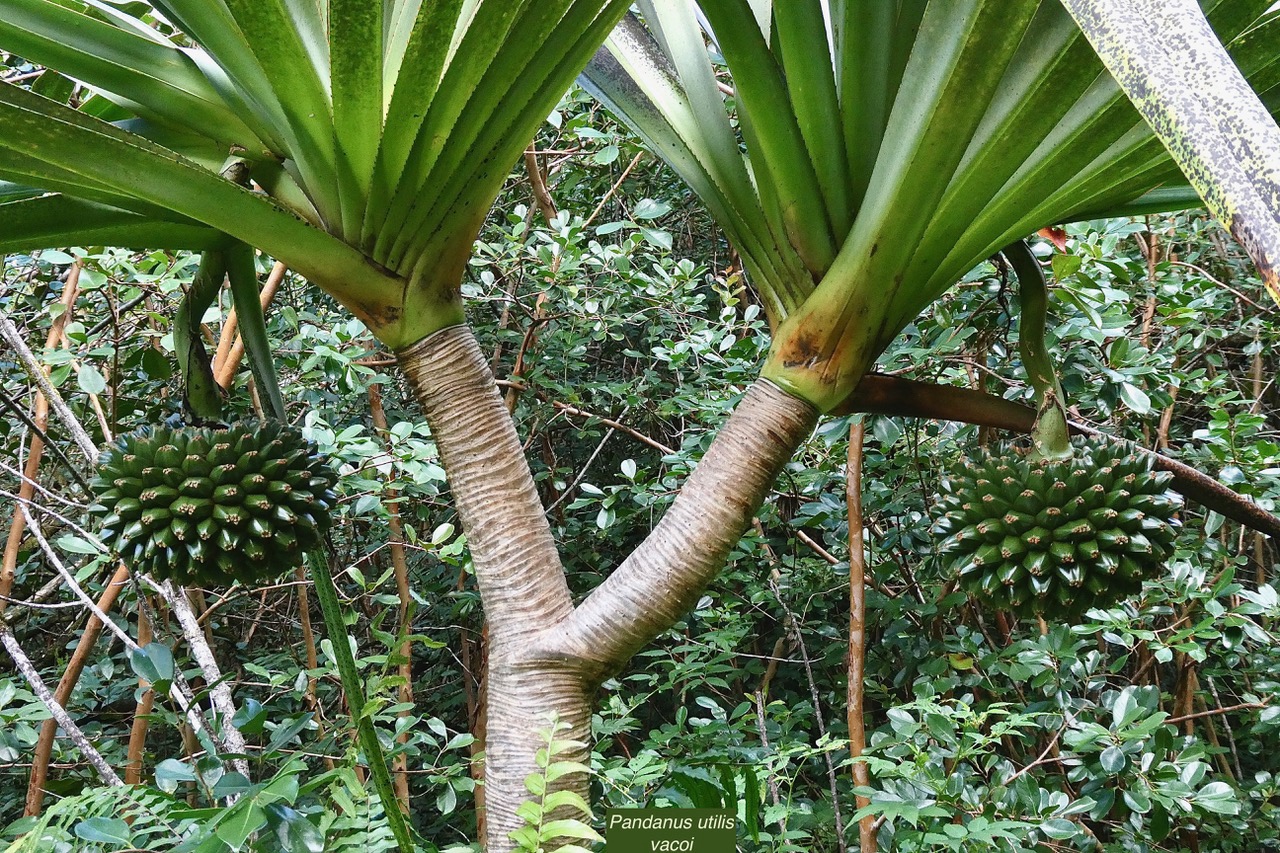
138, 731
66, 684
770, 779
312, 658
1213, 712
226, 360
527, 343
569, 489
55, 708
779, 645
40, 419
613, 189
832, 559
797, 636
1226, 724
854, 711
1049, 753
609, 422
36, 373
541, 195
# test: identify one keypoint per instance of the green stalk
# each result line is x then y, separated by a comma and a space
243, 278
257, 351
1051, 433
200, 394
327, 593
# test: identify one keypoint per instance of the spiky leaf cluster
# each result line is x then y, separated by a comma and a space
213, 506
1057, 538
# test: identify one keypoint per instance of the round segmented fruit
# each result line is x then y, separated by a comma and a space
1057, 538
213, 506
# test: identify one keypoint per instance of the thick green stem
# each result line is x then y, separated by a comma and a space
331, 610
1051, 434
243, 278
200, 393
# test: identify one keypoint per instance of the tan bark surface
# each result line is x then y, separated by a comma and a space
545, 657
663, 578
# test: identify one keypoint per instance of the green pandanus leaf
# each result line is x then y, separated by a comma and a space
353, 687
57, 220
801, 36
355, 50
1094, 158
433, 238
1179, 76
153, 78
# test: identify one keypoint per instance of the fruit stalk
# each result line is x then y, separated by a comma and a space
331, 610
1051, 434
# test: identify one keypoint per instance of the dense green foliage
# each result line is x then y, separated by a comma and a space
1147, 726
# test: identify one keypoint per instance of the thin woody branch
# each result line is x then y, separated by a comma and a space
31, 365
59, 713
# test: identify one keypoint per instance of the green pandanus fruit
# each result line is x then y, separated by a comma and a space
213, 506
1057, 537
1068, 526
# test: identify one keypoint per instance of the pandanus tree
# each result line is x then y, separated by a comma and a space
890, 147
869, 155
360, 143
861, 157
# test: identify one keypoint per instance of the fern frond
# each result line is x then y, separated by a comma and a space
154, 818
361, 826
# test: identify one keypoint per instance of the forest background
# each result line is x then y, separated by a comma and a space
620, 328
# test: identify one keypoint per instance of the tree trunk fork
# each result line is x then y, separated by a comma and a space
547, 657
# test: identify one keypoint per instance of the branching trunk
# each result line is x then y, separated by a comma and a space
546, 658
663, 578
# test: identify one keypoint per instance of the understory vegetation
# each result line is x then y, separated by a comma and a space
621, 329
